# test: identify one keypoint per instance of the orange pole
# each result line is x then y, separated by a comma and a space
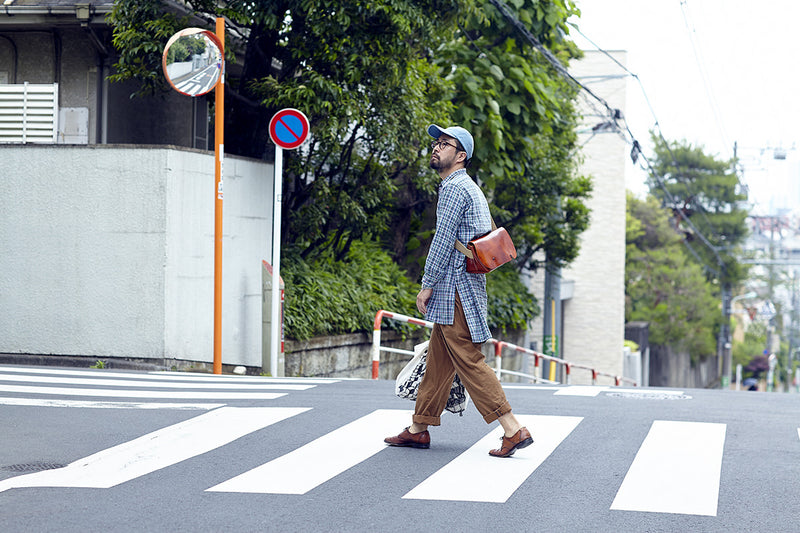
219, 155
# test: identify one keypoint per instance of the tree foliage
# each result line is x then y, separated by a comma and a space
755, 339
704, 190
522, 114
663, 286
371, 75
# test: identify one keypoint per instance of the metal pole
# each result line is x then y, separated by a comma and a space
552, 318
725, 337
219, 155
277, 198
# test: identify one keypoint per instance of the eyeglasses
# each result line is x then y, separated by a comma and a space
442, 145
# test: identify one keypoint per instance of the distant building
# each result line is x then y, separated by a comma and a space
592, 288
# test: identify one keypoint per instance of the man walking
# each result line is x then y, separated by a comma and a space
455, 301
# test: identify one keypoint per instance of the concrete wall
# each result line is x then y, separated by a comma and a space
669, 368
107, 251
594, 318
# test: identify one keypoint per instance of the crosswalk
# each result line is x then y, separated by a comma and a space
48, 382
676, 468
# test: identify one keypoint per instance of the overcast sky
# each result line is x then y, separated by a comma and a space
715, 72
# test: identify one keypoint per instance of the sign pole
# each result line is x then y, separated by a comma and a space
277, 199
288, 129
205, 76
219, 156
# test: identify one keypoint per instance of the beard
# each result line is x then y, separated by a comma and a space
437, 163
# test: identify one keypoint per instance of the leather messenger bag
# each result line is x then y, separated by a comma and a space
489, 251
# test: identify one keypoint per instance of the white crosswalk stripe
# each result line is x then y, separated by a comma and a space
119, 393
156, 450
145, 383
60, 402
161, 375
313, 464
161, 385
478, 477
677, 470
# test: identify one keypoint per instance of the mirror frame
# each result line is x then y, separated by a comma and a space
185, 33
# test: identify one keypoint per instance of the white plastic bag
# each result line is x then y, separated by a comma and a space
407, 383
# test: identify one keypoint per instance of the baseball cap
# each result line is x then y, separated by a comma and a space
456, 132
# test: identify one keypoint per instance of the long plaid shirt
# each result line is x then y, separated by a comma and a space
461, 213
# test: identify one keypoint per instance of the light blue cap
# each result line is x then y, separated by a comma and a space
456, 132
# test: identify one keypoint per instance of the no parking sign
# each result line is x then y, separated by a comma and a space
288, 128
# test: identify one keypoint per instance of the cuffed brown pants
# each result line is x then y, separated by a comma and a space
451, 350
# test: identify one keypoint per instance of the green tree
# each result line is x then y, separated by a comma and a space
663, 286
358, 71
521, 112
371, 75
755, 339
705, 191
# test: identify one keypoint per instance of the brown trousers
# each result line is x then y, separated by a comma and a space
451, 350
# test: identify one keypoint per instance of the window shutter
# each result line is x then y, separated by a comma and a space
28, 113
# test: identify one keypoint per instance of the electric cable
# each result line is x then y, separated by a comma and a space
612, 113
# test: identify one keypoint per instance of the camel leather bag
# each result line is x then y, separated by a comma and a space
489, 251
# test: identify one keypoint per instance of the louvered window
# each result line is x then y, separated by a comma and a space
28, 113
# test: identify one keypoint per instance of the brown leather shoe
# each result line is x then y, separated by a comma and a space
520, 439
413, 440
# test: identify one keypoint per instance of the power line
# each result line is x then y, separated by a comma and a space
657, 126
712, 101
615, 115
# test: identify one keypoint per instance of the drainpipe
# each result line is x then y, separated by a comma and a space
84, 13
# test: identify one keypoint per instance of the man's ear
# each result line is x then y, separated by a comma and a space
460, 159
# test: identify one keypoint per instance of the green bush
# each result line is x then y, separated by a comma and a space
327, 297
511, 305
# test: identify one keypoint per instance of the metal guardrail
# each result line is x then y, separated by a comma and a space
499, 346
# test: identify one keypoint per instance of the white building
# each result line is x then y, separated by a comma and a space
593, 287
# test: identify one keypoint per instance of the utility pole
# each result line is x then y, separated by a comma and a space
552, 317
725, 336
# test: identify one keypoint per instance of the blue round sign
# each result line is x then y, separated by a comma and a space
288, 128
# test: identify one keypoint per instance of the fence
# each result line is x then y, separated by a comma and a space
499, 346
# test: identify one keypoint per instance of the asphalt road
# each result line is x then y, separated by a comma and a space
95, 450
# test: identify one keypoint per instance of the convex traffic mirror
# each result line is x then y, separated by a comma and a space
192, 61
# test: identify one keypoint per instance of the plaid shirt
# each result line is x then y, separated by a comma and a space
461, 213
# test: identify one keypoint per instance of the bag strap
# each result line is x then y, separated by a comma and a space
463, 249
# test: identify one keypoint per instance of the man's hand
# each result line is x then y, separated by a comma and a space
422, 300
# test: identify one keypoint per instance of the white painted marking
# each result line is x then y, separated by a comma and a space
165, 375
654, 391
676, 470
34, 402
240, 379
476, 476
322, 459
156, 450
99, 381
111, 393
581, 390
530, 387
